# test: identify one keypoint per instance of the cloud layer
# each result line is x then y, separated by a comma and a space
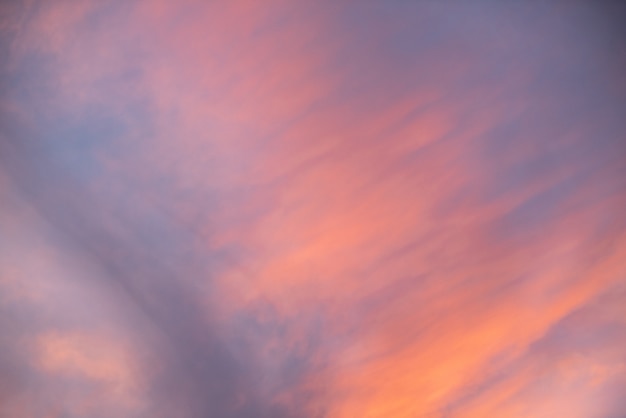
312, 209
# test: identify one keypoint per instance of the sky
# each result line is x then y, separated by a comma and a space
307, 209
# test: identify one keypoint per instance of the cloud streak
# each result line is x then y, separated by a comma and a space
312, 210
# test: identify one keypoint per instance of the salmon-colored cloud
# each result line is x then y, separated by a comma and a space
94, 359
393, 210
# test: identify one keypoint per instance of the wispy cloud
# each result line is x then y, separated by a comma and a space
237, 209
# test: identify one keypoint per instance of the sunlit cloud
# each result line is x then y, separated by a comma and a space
290, 209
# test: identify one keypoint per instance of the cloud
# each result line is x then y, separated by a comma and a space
237, 210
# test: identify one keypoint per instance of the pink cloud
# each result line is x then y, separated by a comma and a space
322, 210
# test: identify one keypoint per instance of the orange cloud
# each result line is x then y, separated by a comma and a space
392, 217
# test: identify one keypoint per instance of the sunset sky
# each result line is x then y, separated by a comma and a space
312, 209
